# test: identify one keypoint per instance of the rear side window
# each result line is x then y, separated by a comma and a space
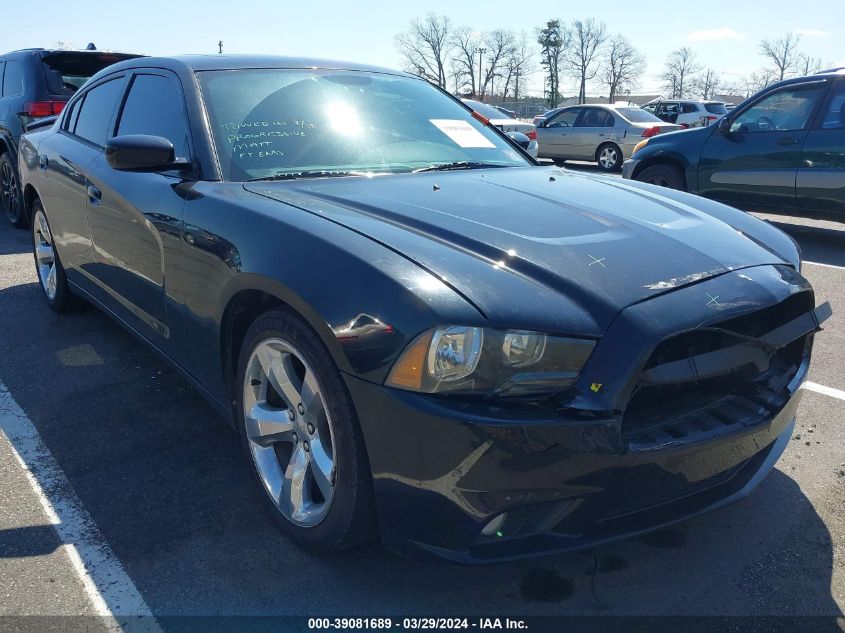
13, 79
95, 112
65, 72
716, 108
689, 108
834, 113
154, 107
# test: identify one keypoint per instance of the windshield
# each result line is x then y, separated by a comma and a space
638, 115
273, 123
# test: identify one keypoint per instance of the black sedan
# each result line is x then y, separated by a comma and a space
415, 329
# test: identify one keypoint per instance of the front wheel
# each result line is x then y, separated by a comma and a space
51, 273
301, 437
663, 175
10, 192
609, 157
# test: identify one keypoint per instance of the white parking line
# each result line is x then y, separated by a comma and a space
824, 265
111, 592
827, 391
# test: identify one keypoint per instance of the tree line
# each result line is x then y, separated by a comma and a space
498, 62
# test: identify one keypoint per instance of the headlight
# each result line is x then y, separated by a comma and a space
639, 146
471, 360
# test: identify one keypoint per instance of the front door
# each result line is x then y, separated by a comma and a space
592, 128
135, 216
752, 161
554, 137
821, 171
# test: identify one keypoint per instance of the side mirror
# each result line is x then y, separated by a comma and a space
139, 152
724, 125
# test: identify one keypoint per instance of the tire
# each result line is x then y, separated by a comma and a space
10, 192
48, 266
308, 457
609, 157
663, 175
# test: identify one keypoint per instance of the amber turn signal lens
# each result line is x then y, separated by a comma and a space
408, 372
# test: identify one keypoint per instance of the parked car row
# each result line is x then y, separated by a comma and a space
687, 113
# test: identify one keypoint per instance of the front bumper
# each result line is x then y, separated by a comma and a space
444, 471
441, 476
628, 168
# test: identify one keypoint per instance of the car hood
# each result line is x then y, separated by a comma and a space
534, 245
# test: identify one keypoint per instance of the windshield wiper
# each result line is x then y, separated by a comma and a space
321, 173
461, 164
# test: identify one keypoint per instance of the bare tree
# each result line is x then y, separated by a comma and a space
518, 66
622, 68
679, 72
759, 80
425, 47
582, 57
707, 84
553, 40
806, 65
464, 43
782, 53
498, 45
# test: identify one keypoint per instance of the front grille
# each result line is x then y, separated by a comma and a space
740, 395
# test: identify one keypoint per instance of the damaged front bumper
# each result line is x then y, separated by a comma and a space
643, 444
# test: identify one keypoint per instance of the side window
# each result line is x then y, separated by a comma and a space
834, 113
786, 109
12, 79
95, 113
565, 118
69, 122
154, 107
606, 119
689, 108
592, 117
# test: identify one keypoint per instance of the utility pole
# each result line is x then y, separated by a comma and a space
220, 47
480, 50
516, 90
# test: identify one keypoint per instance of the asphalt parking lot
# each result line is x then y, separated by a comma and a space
164, 498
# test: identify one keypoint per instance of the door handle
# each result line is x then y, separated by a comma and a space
94, 194
788, 141
43, 161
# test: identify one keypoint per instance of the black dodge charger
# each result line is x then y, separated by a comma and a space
416, 330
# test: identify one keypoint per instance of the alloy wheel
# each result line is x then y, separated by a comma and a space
608, 157
289, 432
9, 192
45, 255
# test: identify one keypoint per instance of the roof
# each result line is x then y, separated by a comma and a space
200, 63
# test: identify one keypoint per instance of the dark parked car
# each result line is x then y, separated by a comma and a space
36, 83
783, 149
413, 327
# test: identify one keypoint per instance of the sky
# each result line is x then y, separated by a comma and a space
725, 34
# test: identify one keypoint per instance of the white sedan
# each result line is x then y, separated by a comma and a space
506, 124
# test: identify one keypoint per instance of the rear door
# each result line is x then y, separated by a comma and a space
63, 160
554, 137
593, 127
754, 163
820, 185
135, 216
